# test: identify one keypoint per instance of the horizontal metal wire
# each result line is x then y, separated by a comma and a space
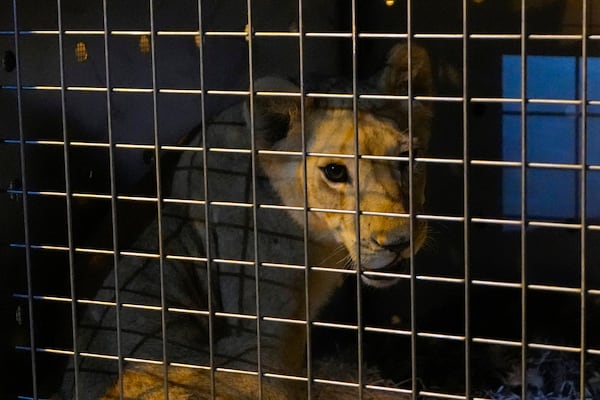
481, 282
443, 336
348, 96
544, 346
442, 279
389, 389
495, 36
537, 287
286, 377
428, 393
501, 342
427, 160
439, 336
337, 270
496, 221
388, 331
430, 278
366, 35
426, 217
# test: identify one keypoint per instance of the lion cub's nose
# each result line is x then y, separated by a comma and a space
396, 244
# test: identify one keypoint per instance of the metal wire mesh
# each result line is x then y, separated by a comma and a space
475, 164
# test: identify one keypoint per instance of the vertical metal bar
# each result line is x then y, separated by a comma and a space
209, 289
68, 190
583, 195
466, 212
309, 371
113, 192
411, 221
25, 200
254, 202
523, 200
359, 322
159, 196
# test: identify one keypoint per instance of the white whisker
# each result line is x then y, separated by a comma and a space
335, 253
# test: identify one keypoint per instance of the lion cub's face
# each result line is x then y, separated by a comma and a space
333, 186
381, 186
336, 178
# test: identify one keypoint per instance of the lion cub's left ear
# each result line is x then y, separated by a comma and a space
394, 77
273, 115
394, 80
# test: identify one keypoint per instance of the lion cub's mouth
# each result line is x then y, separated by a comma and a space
385, 276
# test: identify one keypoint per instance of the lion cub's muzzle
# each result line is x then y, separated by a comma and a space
386, 276
380, 268
384, 256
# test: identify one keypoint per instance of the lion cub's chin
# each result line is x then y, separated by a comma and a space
386, 276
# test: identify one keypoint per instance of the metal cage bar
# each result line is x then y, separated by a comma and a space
523, 198
25, 202
159, 195
68, 191
412, 268
357, 198
466, 194
113, 195
583, 198
305, 231
208, 251
254, 172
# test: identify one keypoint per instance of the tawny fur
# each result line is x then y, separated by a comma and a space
147, 383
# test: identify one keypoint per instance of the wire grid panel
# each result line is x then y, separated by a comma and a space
217, 288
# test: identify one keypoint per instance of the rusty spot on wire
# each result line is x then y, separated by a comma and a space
81, 53
144, 44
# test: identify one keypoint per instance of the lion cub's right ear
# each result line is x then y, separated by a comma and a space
273, 115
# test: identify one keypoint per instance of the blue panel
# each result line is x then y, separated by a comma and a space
593, 135
594, 78
552, 194
511, 80
553, 136
552, 77
593, 194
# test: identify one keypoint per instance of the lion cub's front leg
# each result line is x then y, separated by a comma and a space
147, 383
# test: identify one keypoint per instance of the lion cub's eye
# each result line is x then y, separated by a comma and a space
335, 172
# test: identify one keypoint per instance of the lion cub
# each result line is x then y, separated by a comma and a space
256, 304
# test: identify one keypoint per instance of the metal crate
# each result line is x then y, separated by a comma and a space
103, 102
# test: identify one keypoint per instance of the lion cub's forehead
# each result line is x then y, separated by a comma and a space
333, 132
